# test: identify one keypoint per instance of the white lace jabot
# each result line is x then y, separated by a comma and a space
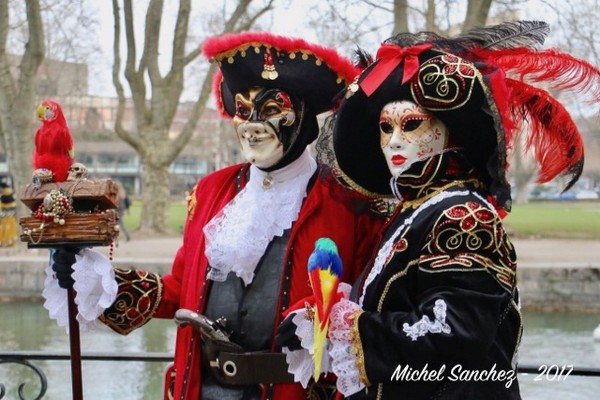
237, 237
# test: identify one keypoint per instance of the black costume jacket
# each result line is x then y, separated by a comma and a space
441, 319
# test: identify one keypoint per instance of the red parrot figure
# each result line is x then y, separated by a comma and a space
53, 141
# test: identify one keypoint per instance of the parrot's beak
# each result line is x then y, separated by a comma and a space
41, 112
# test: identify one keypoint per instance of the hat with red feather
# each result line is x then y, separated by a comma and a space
314, 73
481, 86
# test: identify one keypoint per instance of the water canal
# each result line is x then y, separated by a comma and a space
549, 339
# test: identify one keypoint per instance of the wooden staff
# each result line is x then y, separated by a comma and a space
75, 346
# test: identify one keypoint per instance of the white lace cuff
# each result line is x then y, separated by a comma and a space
95, 287
300, 362
55, 300
343, 359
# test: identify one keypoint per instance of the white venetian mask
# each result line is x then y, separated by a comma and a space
408, 133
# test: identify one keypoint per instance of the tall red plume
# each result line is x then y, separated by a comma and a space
552, 132
552, 67
216, 84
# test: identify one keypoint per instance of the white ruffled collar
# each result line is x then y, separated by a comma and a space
237, 237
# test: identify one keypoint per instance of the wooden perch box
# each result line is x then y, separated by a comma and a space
101, 193
92, 219
79, 229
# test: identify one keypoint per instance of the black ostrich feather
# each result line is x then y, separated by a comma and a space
506, 35
362, 59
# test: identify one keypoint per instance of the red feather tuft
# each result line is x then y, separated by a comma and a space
217, 88
557, 69
227, 42
502, 99
552, 133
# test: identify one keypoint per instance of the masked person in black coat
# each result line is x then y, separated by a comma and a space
435, 315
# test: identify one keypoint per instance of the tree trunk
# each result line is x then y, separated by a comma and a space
156, 97
521, 171
400, 16
477, 12
155, 200
17, 96
19, 129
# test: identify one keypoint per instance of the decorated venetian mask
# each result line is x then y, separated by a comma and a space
266, 125
408, 133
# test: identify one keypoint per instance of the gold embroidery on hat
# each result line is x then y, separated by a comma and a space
269, 72
445, 83
292, 56
352, 88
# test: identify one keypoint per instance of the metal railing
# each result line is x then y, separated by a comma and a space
25, 357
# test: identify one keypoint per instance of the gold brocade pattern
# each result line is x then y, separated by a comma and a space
137, 299
191, 203
470, 236
357, 348
435, 191
445, 83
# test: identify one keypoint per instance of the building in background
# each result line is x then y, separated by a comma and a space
91, 120
213, 146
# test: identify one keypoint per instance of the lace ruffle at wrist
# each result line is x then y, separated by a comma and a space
95, 288
300, 362
344, 360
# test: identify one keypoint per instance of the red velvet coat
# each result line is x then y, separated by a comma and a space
352, 228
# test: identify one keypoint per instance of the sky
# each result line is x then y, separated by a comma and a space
285, 21
288, 19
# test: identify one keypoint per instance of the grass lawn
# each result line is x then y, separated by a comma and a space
177, 213
559, 219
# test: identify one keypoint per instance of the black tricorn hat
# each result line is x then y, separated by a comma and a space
312, 72
481, 86
451, 88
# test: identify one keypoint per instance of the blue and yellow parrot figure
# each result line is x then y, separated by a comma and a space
324, 270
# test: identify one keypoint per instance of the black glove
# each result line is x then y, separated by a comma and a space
64, 258
286, 334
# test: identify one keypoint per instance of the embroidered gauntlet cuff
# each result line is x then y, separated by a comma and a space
138, 297
357, 348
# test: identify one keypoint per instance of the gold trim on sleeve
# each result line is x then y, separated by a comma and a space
357, 348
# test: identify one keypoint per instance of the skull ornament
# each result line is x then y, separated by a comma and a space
77, 171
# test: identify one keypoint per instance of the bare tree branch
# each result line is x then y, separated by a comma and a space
232, 23
379, 6
16, 98
238, 13
134, 77
178, 57
191, 56
124, 134
6, 82
477, 12
149, 58
200, 105
250, 22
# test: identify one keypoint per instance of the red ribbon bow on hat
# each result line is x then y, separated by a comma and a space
390, 56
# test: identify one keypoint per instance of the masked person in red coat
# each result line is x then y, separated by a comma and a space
251, 227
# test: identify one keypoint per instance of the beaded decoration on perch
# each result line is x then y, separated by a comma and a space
67, 207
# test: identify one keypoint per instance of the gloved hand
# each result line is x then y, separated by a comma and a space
63, 260
286, 334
